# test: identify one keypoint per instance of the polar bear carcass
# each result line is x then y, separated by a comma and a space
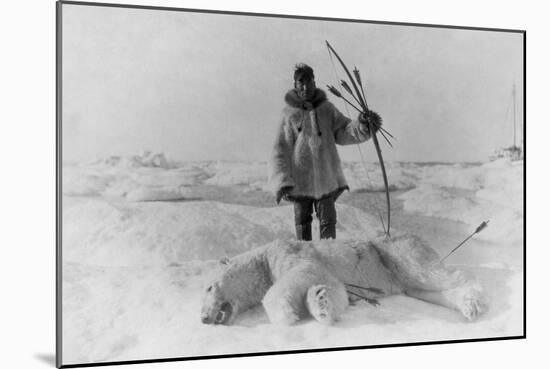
296, 279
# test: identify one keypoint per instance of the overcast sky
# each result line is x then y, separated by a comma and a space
209, 86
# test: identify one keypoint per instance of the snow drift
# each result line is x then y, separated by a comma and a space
138, 244
124, 234
493, 191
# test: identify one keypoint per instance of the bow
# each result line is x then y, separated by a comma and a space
360, 98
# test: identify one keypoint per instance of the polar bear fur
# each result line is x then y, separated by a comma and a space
295, 279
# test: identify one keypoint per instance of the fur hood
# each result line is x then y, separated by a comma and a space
304, 155
293, 99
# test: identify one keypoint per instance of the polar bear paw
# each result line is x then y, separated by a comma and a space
472, 306
320, 305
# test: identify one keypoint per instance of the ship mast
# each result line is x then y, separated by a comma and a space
514, 99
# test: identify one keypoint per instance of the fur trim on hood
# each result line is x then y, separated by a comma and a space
293, 99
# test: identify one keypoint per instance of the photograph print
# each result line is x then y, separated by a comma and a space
238, 183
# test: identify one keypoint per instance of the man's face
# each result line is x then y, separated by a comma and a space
305, 87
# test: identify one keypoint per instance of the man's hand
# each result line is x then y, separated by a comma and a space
373, 118
282, 193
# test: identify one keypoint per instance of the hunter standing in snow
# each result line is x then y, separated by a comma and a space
305, 166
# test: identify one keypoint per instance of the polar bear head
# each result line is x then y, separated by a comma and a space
241, 284
217, 305
217, 308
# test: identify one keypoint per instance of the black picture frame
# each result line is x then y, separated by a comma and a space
59, 176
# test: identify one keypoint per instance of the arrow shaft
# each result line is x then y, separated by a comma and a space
353, 106
459, 245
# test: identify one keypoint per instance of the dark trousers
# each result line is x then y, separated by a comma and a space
325, 211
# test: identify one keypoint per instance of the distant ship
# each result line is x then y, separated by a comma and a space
513, 152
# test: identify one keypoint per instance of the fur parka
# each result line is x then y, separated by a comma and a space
304, 155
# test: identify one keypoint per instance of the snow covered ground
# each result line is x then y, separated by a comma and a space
141, 236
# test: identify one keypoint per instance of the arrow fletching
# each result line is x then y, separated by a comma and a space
482, 226
334, 91
357, 76
358, 79
369, 289
346, 87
